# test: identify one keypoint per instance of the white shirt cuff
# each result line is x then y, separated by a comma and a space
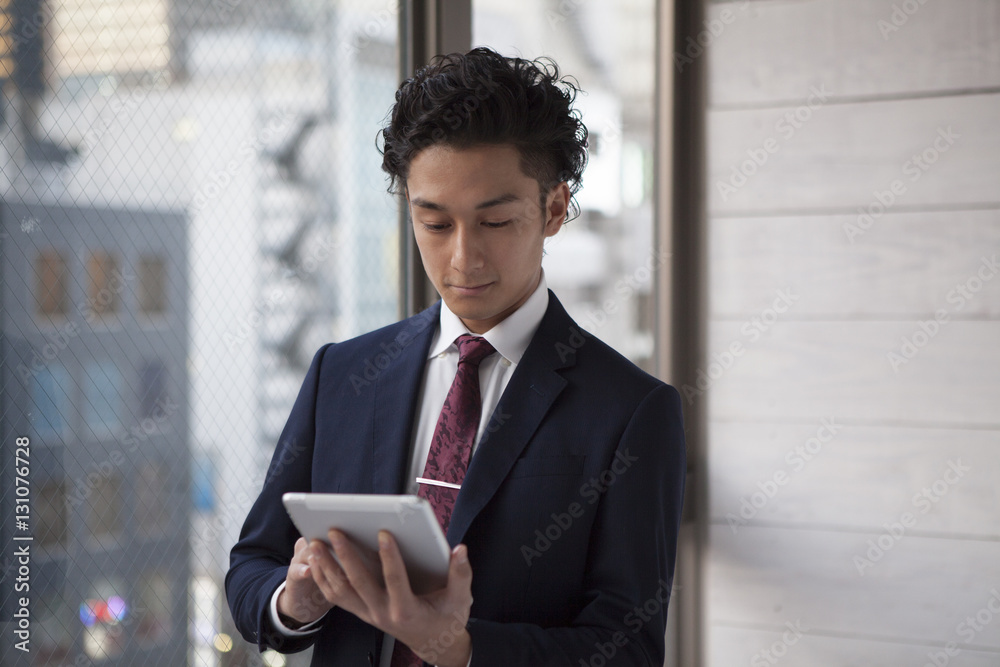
306, 629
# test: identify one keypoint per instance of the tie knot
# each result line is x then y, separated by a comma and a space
473, 349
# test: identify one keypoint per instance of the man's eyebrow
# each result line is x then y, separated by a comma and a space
496, 201
424, 203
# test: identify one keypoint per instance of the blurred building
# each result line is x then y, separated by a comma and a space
94, 337
253, 127
94, 345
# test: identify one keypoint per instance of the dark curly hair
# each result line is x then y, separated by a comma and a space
482, 97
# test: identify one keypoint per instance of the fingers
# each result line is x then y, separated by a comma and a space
300, 545
460, 577
403, 608
299, 599
397, 581
355, 572
415, 620
329, 577
347, 582
298, 568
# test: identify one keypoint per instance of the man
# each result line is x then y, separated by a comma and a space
564, 522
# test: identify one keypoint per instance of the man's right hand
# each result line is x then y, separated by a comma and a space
301, 600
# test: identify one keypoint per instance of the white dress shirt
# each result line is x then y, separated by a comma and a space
510, 339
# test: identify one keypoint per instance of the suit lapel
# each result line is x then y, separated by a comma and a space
524, 403
397, 390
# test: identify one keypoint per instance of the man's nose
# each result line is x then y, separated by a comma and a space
467, 252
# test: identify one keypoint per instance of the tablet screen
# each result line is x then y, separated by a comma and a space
409, 518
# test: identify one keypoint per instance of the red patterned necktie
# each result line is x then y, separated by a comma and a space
451, 447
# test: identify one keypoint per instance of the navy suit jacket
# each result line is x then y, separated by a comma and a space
570, 507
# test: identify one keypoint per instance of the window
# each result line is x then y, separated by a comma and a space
50, 515
104, 285
104, 510
102, 613
601, 264
152, 512
53, 626
123, 36
102, 398
153, 385
204, 482
213, 210
154, 617
152, 271
50, 398
51, 297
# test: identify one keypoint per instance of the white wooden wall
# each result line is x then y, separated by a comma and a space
789, 239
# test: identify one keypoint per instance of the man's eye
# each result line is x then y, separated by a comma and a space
494, 225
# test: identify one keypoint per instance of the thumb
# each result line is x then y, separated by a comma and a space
459, 570
298, 572
300, 544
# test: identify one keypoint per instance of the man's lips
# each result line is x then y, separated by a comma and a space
470, 289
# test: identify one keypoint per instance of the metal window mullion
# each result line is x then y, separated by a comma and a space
681, 301
426, 28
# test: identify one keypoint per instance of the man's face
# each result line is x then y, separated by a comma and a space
480, 228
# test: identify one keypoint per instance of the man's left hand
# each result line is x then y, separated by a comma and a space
432, 625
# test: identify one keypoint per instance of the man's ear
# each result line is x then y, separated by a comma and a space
556, 208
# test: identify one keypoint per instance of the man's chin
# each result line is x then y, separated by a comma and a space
479, 318
474, 314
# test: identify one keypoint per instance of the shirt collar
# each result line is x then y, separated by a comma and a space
510, 337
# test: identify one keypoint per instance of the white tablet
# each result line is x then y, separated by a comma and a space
410, 519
